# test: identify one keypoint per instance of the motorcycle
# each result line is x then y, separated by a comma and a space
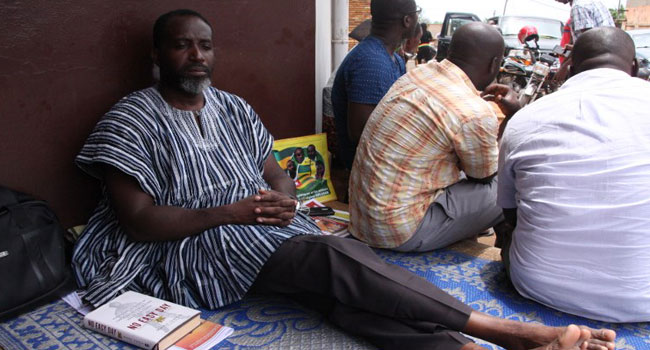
539, 82
529, 71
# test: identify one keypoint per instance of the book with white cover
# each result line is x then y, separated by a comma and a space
143, 321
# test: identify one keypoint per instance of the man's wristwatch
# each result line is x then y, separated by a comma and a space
299, 206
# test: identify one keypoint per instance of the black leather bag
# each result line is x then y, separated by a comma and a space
32, 254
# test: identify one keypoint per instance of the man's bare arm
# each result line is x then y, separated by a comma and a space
143, 220
506, 99
277, 178
358, 114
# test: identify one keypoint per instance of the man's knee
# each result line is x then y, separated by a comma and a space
326, 244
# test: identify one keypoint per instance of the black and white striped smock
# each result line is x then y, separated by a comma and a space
162, 147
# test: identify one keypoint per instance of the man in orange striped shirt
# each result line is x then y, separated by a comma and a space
423, 176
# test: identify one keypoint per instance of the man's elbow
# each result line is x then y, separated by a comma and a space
140, 231
137, 235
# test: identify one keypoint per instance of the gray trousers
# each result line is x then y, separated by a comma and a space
346, 281
464, 210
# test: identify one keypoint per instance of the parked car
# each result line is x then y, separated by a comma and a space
641, 39
453, 21
549, 31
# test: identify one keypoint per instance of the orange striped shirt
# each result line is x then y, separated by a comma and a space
431, 126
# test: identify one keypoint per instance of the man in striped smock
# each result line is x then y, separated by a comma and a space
177, 222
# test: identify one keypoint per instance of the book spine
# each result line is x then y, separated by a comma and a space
118, 334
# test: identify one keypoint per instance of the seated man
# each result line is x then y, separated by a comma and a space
573, 181
369, 70
177, 222
423, 176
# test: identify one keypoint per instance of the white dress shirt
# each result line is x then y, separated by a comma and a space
576, 165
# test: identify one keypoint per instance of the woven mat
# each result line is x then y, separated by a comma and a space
471, 272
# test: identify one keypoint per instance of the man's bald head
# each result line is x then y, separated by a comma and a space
604, 47
477, 48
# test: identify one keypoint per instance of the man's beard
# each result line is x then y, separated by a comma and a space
193, 85
183, 81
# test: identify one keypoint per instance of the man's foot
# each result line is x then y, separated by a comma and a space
572, 338
514, 335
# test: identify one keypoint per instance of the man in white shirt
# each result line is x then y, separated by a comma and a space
574, 181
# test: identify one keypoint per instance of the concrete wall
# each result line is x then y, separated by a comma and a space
637, 14
637, 3
64, 63
360, 11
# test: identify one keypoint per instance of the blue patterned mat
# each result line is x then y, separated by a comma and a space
276, 323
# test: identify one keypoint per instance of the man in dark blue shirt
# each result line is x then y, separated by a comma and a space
369, 70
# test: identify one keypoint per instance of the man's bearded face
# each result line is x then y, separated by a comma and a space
186, 57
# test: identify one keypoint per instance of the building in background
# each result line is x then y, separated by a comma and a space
359, 11
637, 14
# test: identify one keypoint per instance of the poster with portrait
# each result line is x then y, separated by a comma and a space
305, 159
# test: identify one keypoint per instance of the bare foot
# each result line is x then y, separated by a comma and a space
572, 338
514, 335
600, 339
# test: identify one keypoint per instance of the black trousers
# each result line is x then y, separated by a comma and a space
359, 292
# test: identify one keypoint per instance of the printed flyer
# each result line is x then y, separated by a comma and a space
305, 159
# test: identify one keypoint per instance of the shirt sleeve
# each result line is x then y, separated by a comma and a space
506, 191
476, 147
122, 139
367, 81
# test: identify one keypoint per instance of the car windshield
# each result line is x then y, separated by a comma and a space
456, 23
641, 40
546, 28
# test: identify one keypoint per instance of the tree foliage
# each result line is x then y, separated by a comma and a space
618, 14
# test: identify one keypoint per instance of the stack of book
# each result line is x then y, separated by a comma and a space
152, 323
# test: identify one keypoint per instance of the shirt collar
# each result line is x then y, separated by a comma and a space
451, 69
380, 43
609, 73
